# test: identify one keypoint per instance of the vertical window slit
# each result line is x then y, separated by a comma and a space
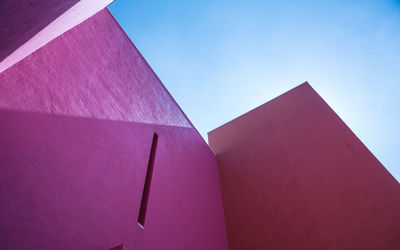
147, 182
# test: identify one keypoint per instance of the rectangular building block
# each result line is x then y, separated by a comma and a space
294, 176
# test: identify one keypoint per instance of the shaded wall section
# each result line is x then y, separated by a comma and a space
77, 123
27, 25
294, 176
21, 20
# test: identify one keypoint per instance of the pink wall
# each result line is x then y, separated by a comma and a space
21, 20
294, 176
77, 121
27, 25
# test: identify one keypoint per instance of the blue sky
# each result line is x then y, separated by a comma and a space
220, 59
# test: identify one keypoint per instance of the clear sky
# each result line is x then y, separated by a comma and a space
220, 59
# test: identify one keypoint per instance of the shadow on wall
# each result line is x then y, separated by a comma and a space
77, 183
21, 20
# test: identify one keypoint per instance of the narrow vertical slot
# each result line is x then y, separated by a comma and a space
147, 182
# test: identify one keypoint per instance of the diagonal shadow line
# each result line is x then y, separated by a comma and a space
23, 19
155, 123
28, 26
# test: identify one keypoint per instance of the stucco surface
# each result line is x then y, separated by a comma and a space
294, 176
77, 121
27, 25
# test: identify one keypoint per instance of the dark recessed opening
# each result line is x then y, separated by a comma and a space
147, 182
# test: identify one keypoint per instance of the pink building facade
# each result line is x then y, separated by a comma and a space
78, 119
294, 176
96, 154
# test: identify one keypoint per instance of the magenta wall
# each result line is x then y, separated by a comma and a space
294, 176
77, 121
21, 20
27, 25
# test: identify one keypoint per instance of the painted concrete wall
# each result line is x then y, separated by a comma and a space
77, 119
27, 25
294, 176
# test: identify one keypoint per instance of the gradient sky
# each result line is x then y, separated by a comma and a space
220, 59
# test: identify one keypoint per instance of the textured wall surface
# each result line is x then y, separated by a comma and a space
77, 119
21, 20
27, 25
294, 176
